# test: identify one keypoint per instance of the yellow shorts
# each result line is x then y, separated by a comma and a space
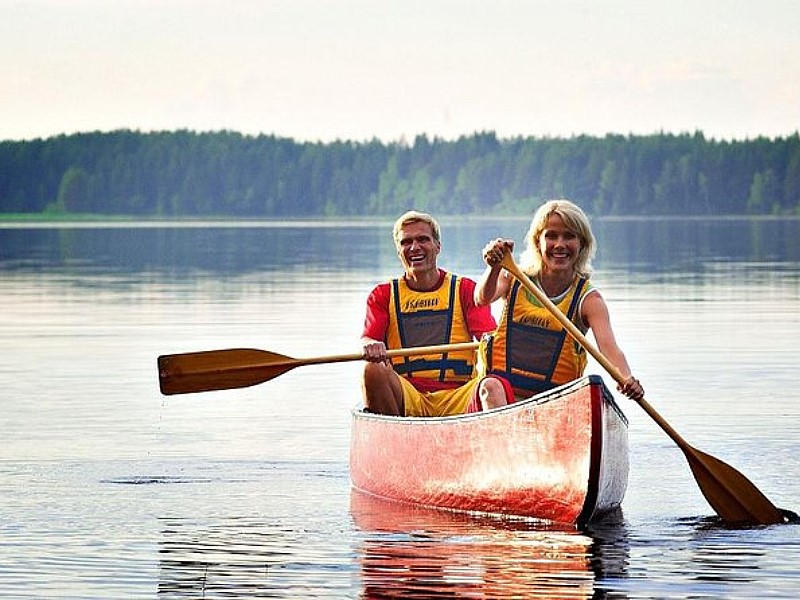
440, 403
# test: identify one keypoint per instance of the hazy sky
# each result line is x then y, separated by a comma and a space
358, 69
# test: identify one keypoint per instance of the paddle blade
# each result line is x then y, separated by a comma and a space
219, 369
732, 495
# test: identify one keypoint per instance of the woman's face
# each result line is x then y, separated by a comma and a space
558, 245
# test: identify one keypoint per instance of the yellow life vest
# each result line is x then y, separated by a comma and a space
530, 347
427, 319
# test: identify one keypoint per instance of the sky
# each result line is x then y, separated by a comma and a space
325, 70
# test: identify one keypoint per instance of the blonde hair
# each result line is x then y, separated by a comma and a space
575, 219
413, 216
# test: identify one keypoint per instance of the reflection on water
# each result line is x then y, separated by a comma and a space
250, 557
414, 552
393, 551
234, 557
276, 530
660, 245
672, 244
176, 251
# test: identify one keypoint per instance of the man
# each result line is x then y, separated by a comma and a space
426, 306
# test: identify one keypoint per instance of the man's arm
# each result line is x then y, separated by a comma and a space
376, 324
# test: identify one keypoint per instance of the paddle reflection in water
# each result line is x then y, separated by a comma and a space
413, 552
233, 557
249, 557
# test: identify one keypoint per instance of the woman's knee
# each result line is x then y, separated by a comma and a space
492, 393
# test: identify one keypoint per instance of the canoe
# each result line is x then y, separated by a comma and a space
560, 456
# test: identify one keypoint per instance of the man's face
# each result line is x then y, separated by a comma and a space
417, 248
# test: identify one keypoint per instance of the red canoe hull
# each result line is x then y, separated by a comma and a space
561, 456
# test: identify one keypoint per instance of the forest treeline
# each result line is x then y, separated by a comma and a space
227, 174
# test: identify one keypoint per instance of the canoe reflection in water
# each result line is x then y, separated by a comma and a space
412, 552
391, 550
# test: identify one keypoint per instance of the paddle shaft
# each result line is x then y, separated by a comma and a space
734, 497
337, 358
242, 367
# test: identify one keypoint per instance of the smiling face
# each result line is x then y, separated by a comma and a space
558, 215
418, 249
559, 245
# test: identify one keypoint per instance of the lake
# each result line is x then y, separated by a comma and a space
109, 489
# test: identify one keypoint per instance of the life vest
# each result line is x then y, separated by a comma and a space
428, 319
530, 347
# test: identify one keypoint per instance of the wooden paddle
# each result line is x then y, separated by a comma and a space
243, 367
734, 497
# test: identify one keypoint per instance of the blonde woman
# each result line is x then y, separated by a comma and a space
530, 348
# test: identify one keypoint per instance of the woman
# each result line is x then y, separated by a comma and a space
530, 348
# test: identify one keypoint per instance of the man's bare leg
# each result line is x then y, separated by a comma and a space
383, 393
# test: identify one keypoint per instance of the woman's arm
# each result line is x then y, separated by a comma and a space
495, 282
594, 313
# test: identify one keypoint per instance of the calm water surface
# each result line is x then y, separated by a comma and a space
110, 490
